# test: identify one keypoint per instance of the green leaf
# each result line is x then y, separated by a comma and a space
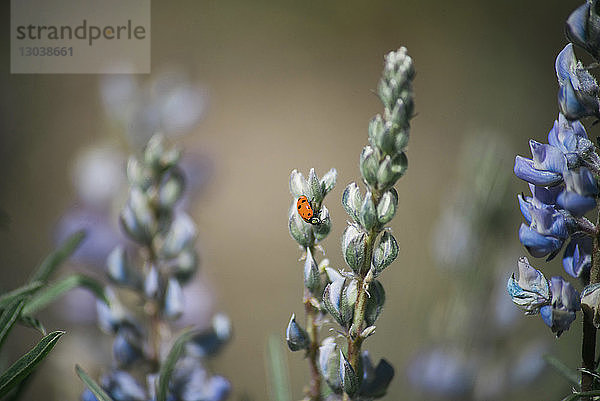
20, 388
30, 321
565, 371
166, 370
46, 296
25, 290
57, 257
278, 370
28, 362
92, 385
9, 317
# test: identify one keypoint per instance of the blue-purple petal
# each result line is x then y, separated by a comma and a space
537, 244
525, 170
576, 204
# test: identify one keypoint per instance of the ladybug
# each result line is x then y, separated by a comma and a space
306, 211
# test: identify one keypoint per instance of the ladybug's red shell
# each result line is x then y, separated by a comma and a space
305, 210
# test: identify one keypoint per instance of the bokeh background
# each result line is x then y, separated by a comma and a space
287, 85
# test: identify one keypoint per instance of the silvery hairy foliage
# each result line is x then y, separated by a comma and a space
146, 298
352, 299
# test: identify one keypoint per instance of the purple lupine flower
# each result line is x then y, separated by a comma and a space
579, 197
547, 227
577, 259
545, 168
571, 139
529, 290
578, 89
565, 302
583, 29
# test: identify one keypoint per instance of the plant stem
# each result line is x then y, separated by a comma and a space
364, 280
588, 344
313, 348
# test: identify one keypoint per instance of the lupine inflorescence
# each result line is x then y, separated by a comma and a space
151, 277
563, 179
354, 299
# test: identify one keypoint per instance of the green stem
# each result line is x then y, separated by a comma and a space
313, 349
588, 343
364, 280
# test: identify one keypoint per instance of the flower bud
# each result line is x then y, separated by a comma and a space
369, 163
354, 247
386, 209
390, 170
385, 252
328, 181
350, 379
300, 231
374, 303
296, 336
298, 185
314, 187
171, 189
332, 301
120, 270
368, 212
173, 306
352, 201
312, 277
152, 283
322, 229
329, 364
590, 297
154, 151
181, 234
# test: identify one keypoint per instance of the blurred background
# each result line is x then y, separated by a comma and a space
252, 90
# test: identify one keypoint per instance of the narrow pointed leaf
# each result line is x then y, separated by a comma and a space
168, 365
57, 257
25, 290
92, 385
565, 371
30, 321
28, 362
46, 296
8, 318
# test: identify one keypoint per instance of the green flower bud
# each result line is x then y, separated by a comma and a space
374, 303
350, 379
300, 231
296, 336
369, 163
314, 187
386, 209
298, 185
384, 253
329, 364
312, 277
368, 213
322, 229
354, 247
171, 189
328, 181
352, 201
